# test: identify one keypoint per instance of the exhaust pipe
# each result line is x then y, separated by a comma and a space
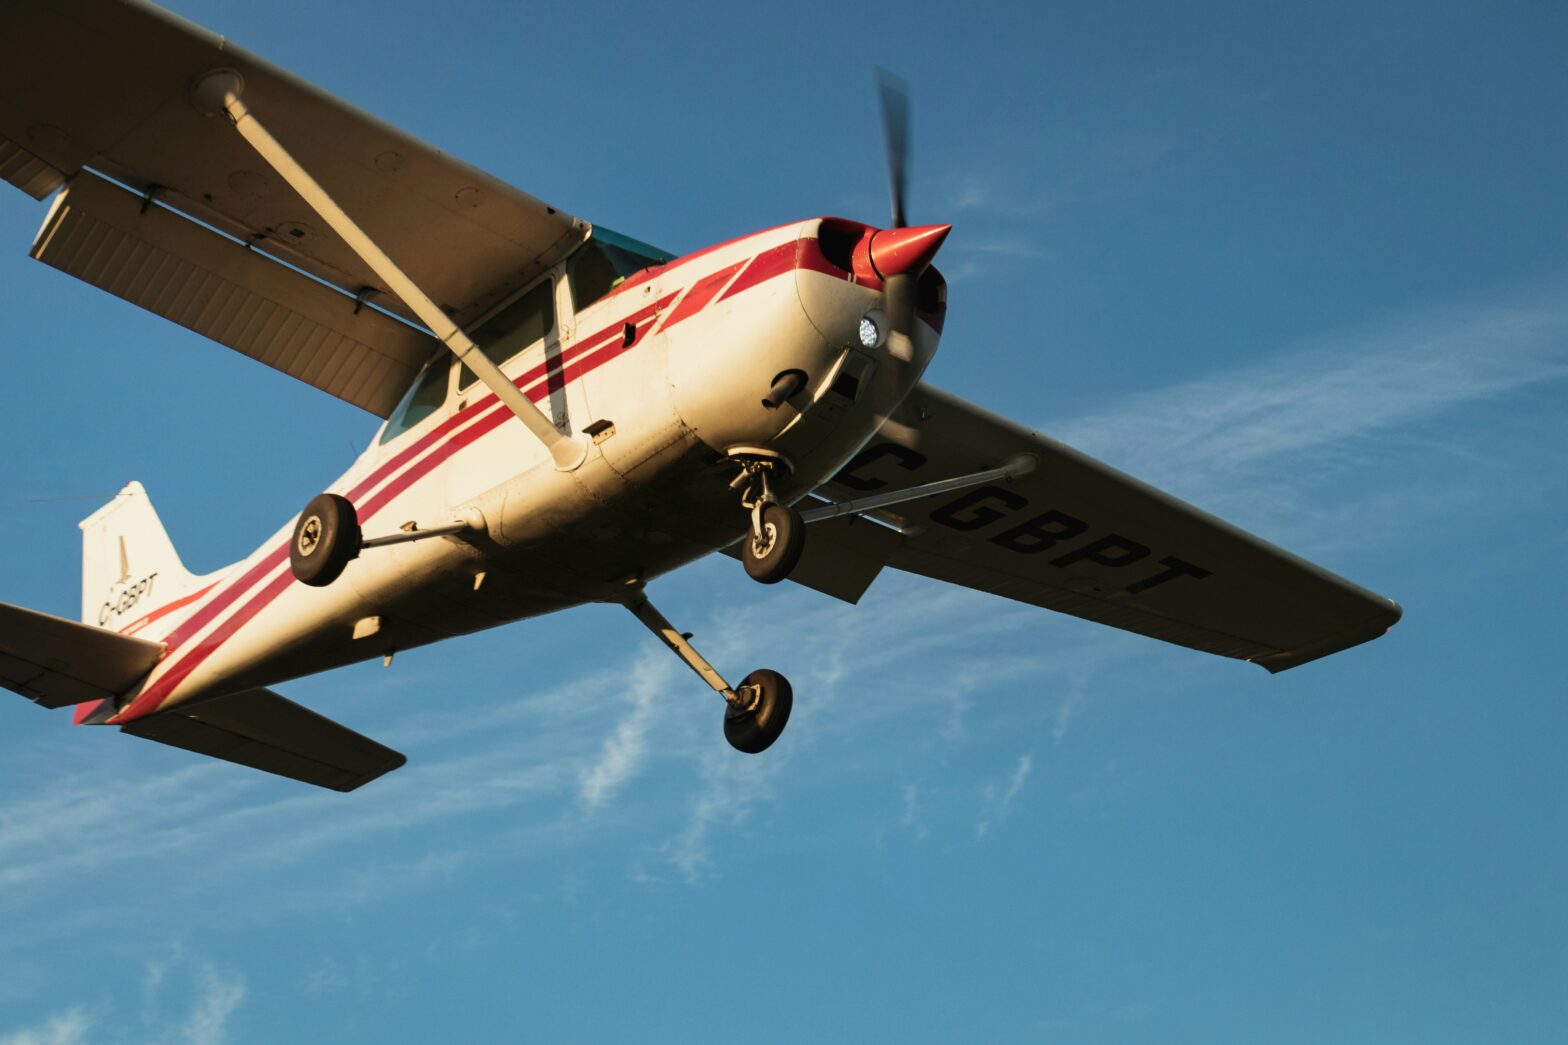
784, 386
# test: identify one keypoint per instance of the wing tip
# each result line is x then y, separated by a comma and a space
1374, 628
397, 761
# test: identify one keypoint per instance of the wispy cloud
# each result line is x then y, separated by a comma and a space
624, 748
996, 800
217, 995
1254, 440
67, 1028
729, 789
212, 995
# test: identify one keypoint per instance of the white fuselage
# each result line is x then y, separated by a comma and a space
664, 375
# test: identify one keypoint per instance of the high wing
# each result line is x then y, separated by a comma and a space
57, 662
264, 731
1077, 536
103, 85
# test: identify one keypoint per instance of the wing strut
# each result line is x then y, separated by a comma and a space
219, 92
1019, 465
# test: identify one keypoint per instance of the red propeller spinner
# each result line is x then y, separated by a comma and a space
897, 251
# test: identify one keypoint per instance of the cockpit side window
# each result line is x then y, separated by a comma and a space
605, 262
423, 398
514, 328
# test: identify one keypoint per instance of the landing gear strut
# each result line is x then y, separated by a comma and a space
327, 536
778, 535
758, 708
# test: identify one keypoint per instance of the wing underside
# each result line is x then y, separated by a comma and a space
264, 731
1079, 537
103, 85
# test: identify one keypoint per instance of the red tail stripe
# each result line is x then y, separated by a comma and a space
163, 611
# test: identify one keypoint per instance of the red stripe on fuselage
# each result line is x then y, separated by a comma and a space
772, 262
638, 278
223, 600
702, 292
453, 434
456, 432
149, 699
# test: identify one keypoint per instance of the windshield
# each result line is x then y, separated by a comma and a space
604, 263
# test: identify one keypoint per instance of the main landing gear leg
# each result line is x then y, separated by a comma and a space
758, 708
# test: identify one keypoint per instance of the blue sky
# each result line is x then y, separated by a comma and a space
1304, 266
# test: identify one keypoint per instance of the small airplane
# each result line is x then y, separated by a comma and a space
568, 412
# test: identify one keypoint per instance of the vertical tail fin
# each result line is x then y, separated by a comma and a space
129, 565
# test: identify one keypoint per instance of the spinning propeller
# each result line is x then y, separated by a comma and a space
900, 254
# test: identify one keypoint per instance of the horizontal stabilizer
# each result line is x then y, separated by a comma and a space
264, 731
58, 662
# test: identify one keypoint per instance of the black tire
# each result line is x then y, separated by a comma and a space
325, 539
771, 559
754, 731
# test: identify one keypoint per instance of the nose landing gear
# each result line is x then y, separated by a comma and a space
778, 535
773, 547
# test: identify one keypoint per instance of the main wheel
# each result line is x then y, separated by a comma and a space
771, 556
758, 726
325, 539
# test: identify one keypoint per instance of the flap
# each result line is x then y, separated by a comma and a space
104, 84
58, 662
1076, 535
220, 288
264, 731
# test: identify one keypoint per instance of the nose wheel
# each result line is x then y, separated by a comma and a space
774, 545
778, 534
